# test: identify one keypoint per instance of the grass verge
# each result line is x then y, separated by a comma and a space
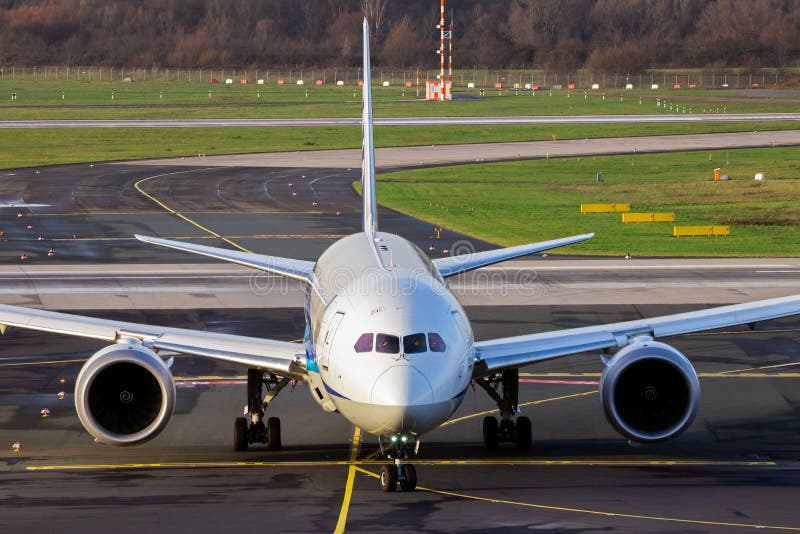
521, 202
164, 100
36, 147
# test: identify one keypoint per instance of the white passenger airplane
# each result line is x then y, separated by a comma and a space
388, 346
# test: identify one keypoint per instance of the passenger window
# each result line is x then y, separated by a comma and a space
387, 344
414, 344
364, 343
436, 343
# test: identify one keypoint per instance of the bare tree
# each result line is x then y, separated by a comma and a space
374, 10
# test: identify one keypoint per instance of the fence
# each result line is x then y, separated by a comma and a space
484, 78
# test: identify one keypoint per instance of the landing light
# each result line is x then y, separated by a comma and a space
394, 439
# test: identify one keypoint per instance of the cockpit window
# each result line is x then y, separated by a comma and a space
436, 343
364, 343
414, 344
387, 344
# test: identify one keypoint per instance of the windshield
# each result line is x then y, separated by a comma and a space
364, 343
414, 344
436, 343
387, 344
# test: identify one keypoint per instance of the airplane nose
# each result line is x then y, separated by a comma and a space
402, 385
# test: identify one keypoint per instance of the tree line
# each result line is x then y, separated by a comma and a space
609, 36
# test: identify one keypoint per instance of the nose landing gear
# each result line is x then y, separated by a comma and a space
399, 448
251, 428
504, 389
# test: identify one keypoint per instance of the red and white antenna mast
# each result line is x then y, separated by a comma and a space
450, 40
443, 35
442, 88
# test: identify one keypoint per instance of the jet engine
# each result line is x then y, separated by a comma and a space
649, 391
124, 394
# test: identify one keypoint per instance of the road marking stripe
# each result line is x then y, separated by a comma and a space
22, 364
192, 238
446, 463
542, 401
194, 223
736, 373
564, 382
594, 512
348, 488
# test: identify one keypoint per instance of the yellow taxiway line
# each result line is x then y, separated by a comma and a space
351, 477
595, 512
541, 401
355, 463
138, 186
51, 362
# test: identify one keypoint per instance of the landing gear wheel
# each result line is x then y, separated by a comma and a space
490, 430
388, 477
240, 434
409, 482
274, 434
524, 433
258, 433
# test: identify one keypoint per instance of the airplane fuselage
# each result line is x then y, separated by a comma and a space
387, 344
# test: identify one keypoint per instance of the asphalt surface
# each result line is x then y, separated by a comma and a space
736, 468
533, 282
400, 121
737, 464
420, 156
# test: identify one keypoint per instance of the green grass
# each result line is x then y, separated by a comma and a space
157, 99
36, 147
521, 202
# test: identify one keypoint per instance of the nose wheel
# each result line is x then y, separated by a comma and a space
400, 447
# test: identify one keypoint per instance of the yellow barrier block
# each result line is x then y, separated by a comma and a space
647, 217
680, 231
604, 208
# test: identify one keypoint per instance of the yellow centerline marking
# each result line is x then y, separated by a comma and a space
741, 332
348, 491
594, 512
541, 401
540, 462
351, 477
22, 364
194, 223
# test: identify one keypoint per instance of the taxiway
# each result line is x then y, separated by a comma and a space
735, 469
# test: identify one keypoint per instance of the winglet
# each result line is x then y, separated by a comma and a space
370, 215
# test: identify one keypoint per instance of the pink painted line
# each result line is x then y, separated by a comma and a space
192, 383
567, 382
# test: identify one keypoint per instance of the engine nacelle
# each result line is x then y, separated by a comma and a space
650, 391
124, 394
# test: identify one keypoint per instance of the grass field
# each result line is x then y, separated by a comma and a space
37, 147
140, 100
520, 202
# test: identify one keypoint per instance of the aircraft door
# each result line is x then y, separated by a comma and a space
327, 359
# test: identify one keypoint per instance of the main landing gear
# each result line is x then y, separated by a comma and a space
504, 389
398, 449
251, 427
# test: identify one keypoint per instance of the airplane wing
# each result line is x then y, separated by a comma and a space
511, 352
281, 357
291, 268
466, 262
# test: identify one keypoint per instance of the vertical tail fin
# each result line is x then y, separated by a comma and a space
370, 210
